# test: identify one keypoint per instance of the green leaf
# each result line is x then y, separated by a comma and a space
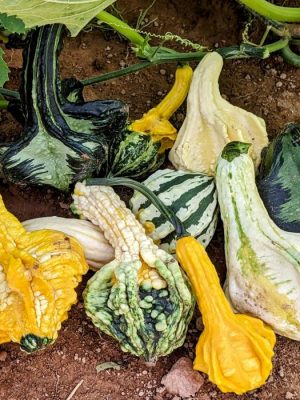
107, 365
75, 14
12, 23
4, 70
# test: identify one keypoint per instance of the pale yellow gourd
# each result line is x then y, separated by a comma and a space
211, 122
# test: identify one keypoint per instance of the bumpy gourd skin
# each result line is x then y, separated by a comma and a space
38, 274
263, 261
235, 350
142, 298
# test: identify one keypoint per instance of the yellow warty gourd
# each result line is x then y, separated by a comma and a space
39, 272
211, 122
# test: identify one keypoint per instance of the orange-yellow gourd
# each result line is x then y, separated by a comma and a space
39, 272
235, 350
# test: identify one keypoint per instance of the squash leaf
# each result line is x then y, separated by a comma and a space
75, 14
12, 23
4, 70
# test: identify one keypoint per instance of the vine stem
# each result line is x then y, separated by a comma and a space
272, 11
290, 56
116, 74
10, 93
232, 52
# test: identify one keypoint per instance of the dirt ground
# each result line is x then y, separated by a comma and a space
269, 88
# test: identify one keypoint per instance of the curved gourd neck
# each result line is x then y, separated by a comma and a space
204, 279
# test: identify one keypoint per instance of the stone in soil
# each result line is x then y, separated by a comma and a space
182, 380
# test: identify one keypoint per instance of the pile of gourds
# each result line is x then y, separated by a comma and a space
151, 261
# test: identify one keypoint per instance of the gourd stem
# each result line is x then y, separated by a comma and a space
290, 56
280, 44
10, 93
166, 212
272, 11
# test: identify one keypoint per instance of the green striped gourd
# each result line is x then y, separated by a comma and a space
192, 196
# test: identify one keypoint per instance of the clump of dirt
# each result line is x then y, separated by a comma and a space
269, 88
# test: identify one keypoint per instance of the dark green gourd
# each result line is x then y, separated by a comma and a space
65, 139
279, 179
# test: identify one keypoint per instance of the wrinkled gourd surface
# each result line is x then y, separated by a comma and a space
191, 196
142, 298
211, 122
39, 272
235, 350
263, 261
279, 179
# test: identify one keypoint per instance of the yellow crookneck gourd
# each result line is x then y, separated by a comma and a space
156, 121
234, 350
38, 274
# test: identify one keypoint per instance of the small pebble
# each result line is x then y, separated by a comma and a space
141, 393
122, 63
109, 55
279, 84
162, 71
289, 395
281, 372
248, 77
83, 45
282, 76
3, 355
155, 23
145, 372
123, 91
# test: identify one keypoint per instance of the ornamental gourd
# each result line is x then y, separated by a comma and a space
235, 350
140, 149
97, 250
263, 261
64, 138
191, 196
142, 298
39, 272
278, 181
211, 122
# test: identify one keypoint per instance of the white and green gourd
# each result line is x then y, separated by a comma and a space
191, 196
97, 250
142, 298
263, 261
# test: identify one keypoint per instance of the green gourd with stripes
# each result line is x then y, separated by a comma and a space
192, 196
